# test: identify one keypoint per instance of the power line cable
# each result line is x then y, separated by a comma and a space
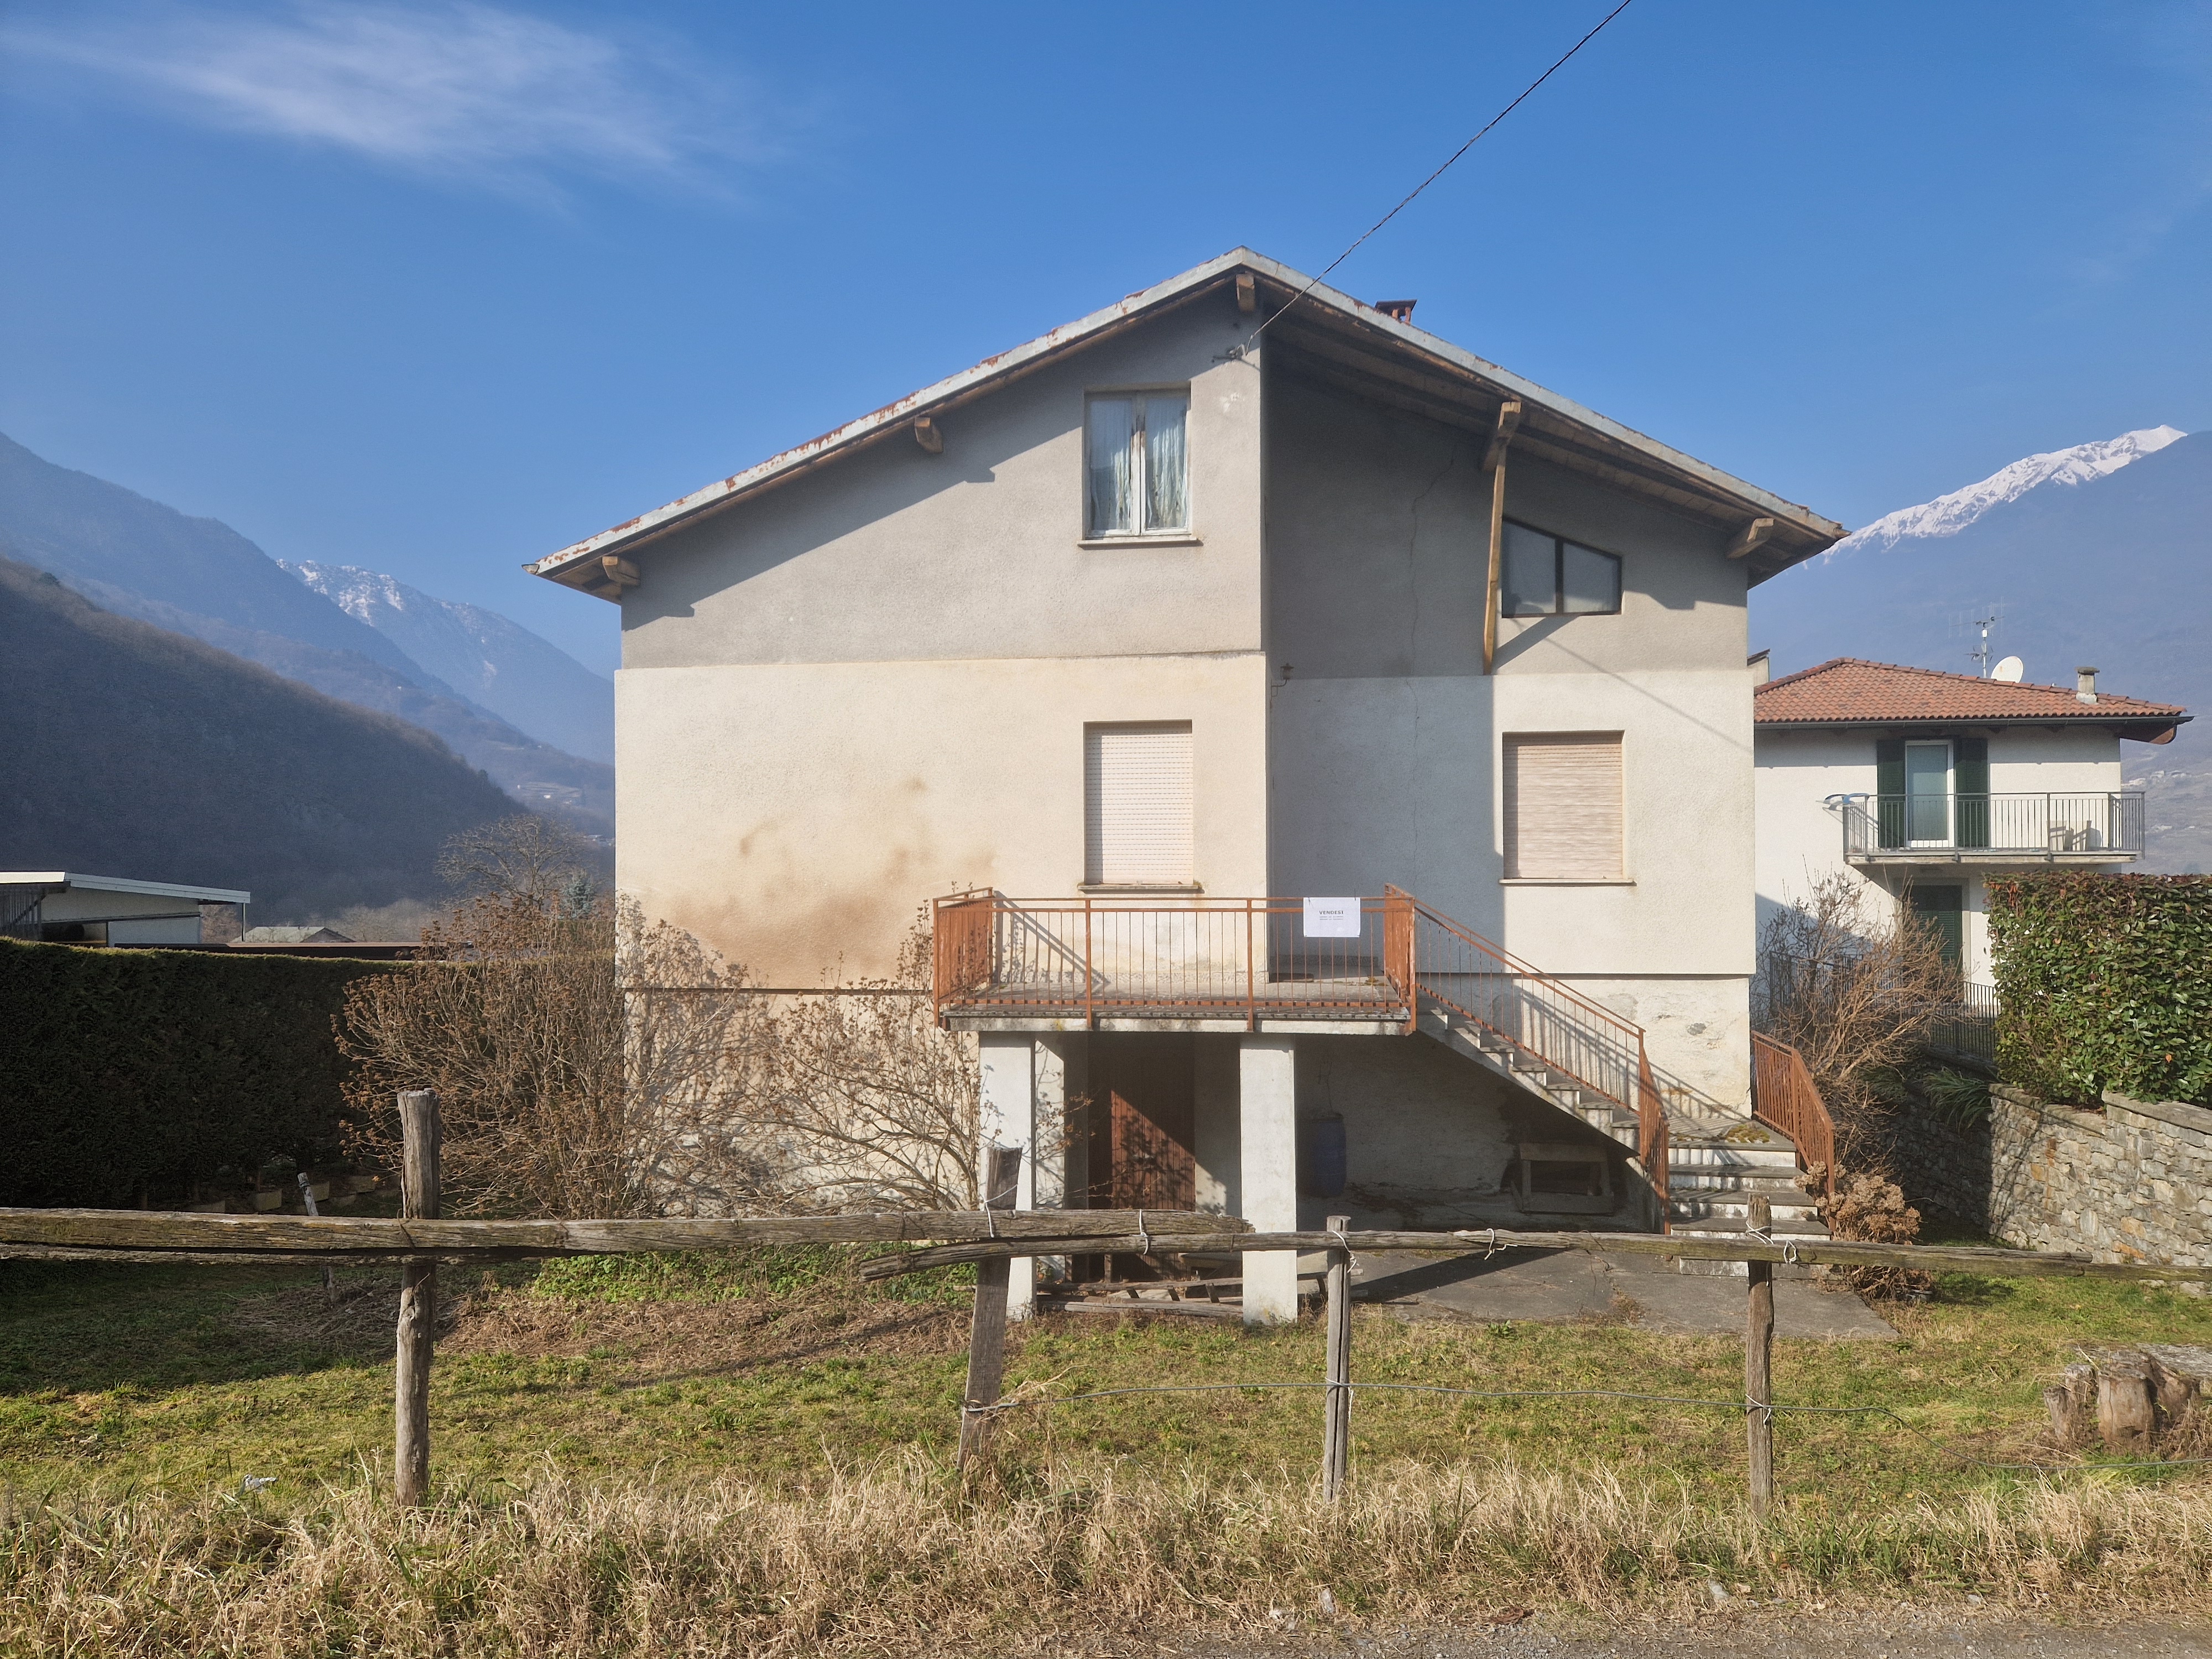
1454, 156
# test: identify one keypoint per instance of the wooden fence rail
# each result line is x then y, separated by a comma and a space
991, 1238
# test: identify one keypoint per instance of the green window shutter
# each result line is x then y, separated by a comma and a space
1889, 789
1970, 778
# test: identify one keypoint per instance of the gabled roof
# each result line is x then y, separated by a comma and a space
1332, 337
1848, 691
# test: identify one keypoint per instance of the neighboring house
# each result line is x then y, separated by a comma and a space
1124, 629
1923, 784
294, 936
61, 907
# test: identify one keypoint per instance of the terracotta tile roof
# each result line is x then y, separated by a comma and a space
1849, 691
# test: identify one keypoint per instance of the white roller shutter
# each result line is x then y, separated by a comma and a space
1562, 806
1137, 804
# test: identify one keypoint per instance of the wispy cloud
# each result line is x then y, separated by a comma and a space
463, 91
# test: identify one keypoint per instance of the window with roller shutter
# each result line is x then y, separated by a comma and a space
1563, 817
1137, 806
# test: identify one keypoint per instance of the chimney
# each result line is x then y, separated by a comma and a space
2085, 685
1761, 664
1397, 310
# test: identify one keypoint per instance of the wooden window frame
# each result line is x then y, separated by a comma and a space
1141, 492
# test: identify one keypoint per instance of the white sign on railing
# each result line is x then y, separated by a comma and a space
1332, 918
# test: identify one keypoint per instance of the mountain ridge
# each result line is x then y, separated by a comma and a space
145, 752
137, 557
487, 658
1948, 514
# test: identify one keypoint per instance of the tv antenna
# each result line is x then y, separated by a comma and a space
1978, 628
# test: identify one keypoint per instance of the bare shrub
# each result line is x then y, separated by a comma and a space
590, 1062
560, 1096
1855, 991
1870, 1208
870, 1105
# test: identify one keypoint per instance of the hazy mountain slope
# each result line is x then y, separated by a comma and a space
543, 778
138, 558
140, 752
87, 530
526, 680
2113, 570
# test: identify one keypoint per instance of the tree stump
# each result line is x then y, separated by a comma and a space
2126, 1414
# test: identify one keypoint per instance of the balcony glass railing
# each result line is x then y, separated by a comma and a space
2053, 825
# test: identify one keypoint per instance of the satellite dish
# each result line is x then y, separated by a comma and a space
2008, 670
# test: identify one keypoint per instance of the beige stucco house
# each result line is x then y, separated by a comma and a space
1239, 587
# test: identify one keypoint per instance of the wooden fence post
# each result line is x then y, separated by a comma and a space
1759, 1369
418, 1302
987, 1335
1336, 1398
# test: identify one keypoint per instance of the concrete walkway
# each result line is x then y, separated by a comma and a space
1564, 1286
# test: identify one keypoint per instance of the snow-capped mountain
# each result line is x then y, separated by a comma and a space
1947, 515
522, 678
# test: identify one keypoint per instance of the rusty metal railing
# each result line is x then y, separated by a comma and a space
1249, 959
1784, 1097
1252, 958
1546, 1020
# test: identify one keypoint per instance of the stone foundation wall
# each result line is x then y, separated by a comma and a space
2130, 1182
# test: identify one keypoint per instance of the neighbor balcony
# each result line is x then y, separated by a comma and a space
1948, 828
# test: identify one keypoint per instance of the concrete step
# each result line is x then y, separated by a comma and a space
1696, 1208
1706, 1155
1781, 1229
1776, 1184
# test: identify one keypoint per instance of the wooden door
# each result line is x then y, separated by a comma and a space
1140, 1132
1141, 1125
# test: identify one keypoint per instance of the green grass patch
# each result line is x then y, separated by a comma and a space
781, 1365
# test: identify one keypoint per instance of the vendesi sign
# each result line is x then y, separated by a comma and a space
1332, 918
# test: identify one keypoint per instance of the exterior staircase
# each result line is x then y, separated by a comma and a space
1406, 967
1478, 1043
1714, 1169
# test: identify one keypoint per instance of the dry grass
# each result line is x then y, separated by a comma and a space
895, 1560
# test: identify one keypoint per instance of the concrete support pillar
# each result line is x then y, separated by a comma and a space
1268, 1131
1009, 1119
1062, 1154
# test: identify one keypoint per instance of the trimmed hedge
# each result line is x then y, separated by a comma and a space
130, 1075
2104, 982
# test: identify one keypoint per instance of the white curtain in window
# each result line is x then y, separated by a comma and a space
1529, 574
1113, 427
1167, 469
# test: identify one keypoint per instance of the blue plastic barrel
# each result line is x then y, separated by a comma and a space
1322, 1156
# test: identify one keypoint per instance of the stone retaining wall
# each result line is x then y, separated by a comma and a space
2130, 1182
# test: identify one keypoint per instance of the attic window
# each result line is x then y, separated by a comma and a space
1137, 467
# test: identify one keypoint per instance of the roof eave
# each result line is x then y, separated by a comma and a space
1809, 532
2153, 722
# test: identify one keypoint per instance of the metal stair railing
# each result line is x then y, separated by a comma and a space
1538, 1017
1786, 1097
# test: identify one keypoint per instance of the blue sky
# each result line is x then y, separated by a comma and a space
436, 288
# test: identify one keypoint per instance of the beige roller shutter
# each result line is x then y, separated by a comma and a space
1137, 804
1562, 806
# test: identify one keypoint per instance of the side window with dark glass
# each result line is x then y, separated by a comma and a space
1547, 575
